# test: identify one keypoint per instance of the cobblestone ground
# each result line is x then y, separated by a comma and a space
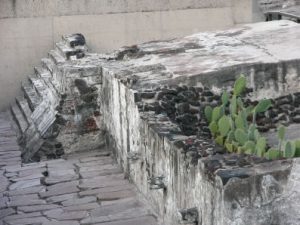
85, 188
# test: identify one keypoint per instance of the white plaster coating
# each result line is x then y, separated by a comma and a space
258, 199
245, 48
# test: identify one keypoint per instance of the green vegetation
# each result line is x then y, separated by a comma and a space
237, 130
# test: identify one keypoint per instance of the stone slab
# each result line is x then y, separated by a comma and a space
60, 189
6, 212
18, 168
25, 184
104, 172
115, 195
149, 220
37, 208
28, 221
116, 208
106, 189
61, 198
22, 216
126, 214
69, 222
97, 168
59, 214
59, 179
82, 207
3, 202
103, 182
78, 201
25, 202
24, 191
29, 177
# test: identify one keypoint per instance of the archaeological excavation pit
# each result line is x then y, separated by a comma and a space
146, 105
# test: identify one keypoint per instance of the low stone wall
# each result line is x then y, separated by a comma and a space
127, 97
217, 189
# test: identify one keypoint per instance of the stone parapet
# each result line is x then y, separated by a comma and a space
181, 172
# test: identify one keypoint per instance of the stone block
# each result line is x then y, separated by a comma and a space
78, 201
115, 195
28, 221
60, 189
25, 184
81, 207
59, 214
37, 208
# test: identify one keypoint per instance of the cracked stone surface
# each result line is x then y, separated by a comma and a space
61, 192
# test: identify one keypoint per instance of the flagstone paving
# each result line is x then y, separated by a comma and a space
82, 189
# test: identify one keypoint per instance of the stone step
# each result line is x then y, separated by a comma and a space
45, 74
48, 64
56, 57
30, 132
64, 50
42, 73
47, 120
43, 116
39, 86
56, 80
27, 136
69, 53
46, 89
33, 98
19, 118
24, 106
32, 146
53, 89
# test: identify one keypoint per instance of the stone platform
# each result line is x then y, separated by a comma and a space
127, 100
82, 189
143, 93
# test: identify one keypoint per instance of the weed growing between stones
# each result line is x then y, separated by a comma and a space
233, 125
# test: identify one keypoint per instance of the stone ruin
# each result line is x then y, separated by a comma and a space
60, 109
145, 102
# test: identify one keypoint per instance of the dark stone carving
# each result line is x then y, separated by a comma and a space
189, 216
76, 40
157, 183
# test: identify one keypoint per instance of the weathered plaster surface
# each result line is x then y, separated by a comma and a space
250, 195
260, 51
29, 28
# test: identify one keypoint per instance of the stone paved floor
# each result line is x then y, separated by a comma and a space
85, 188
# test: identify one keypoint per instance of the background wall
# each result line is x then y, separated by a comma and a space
29, 28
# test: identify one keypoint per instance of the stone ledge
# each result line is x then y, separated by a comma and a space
225, 189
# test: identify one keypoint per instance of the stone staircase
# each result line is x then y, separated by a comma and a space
35, 112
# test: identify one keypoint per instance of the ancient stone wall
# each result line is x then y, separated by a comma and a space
58, 111
138, 95
29, 28
162, 159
